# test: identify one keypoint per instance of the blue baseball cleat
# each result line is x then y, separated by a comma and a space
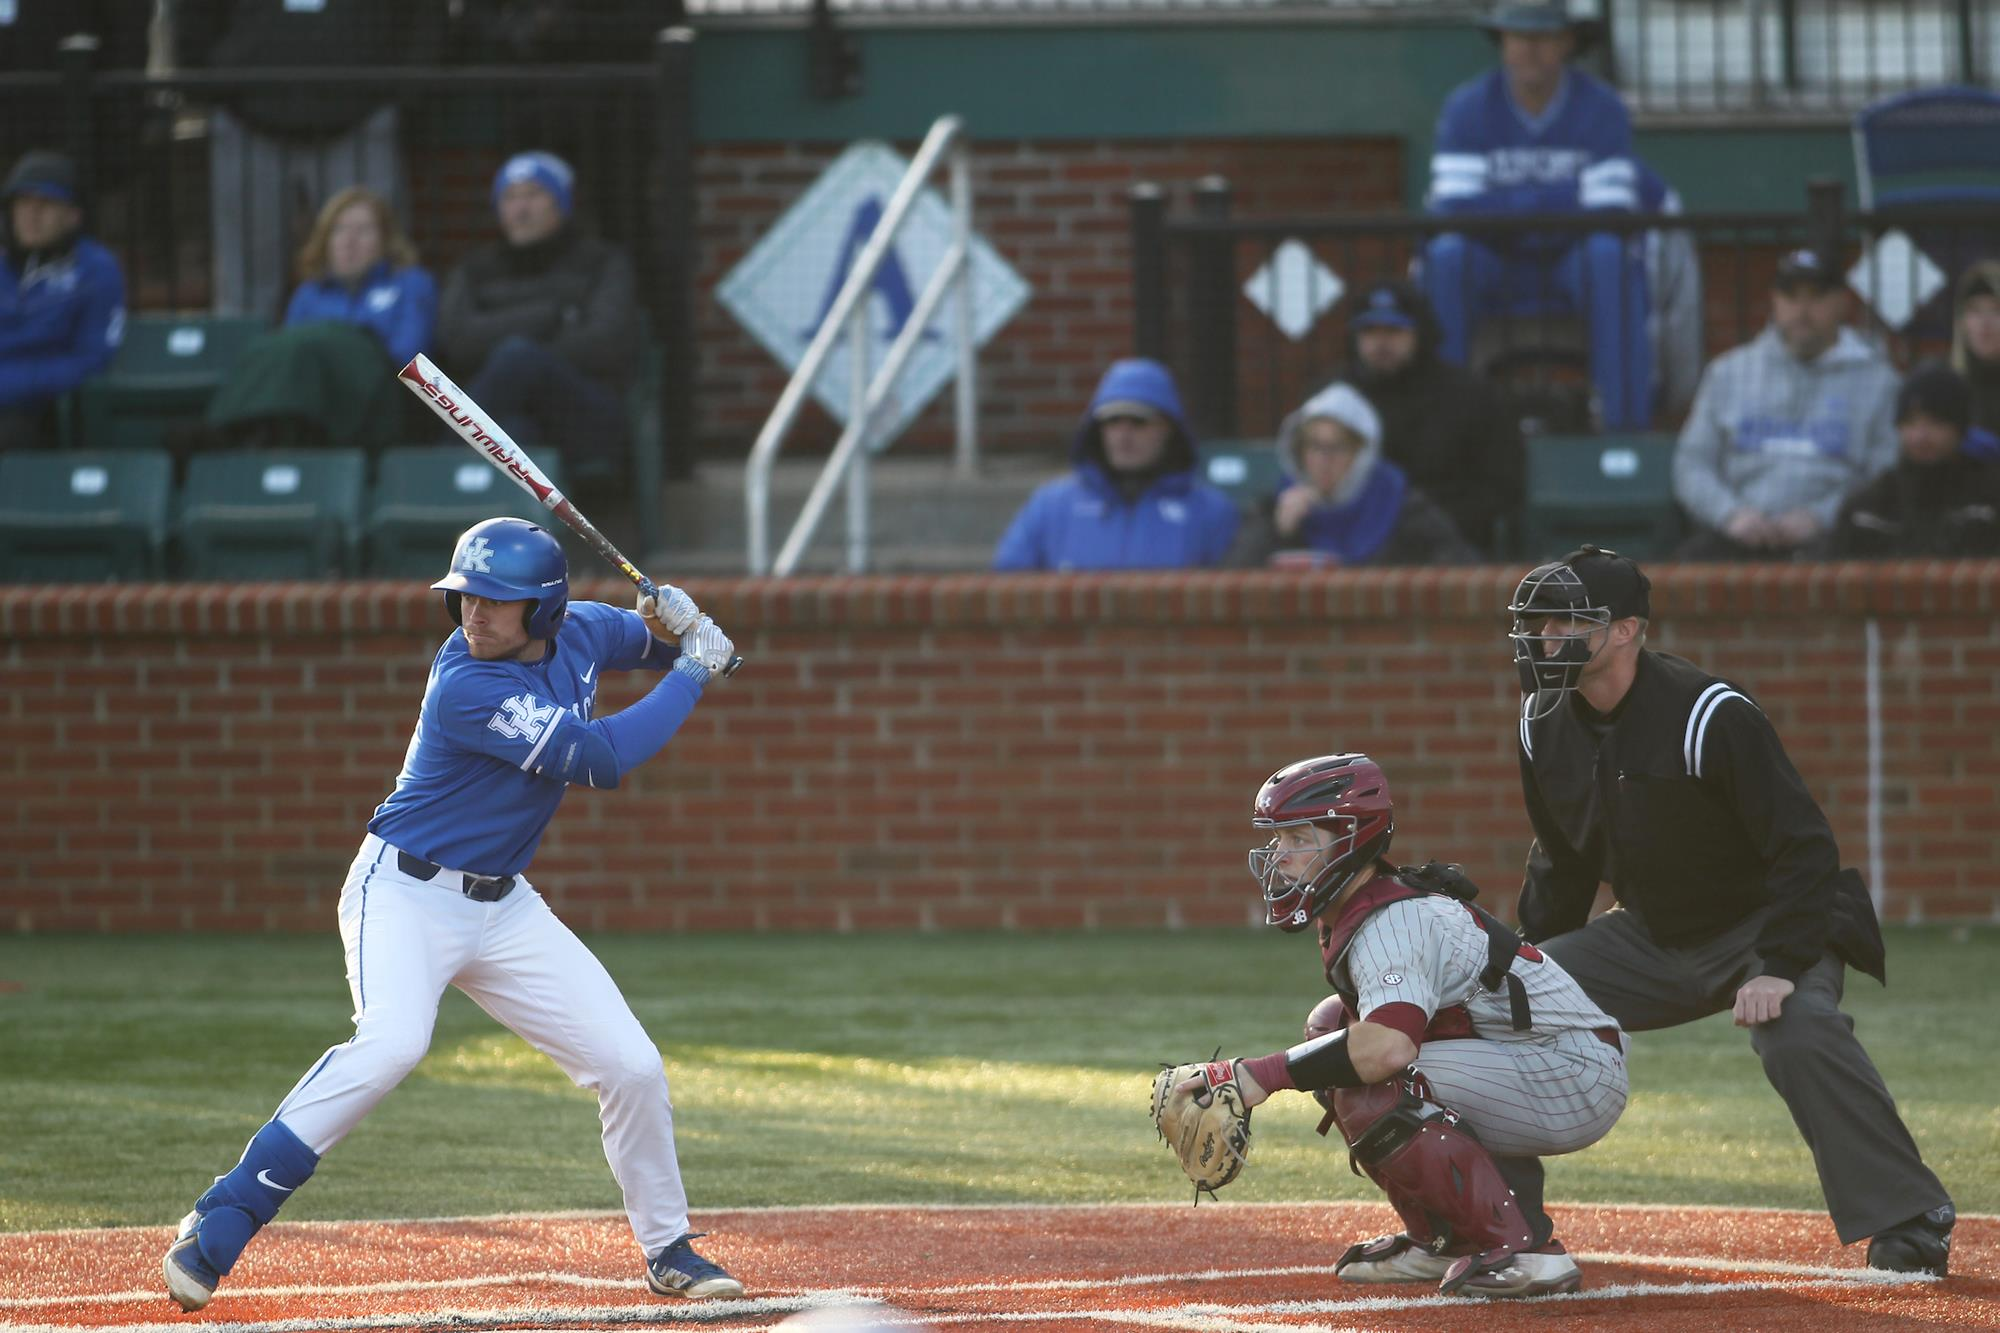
190, 1281
676, 1270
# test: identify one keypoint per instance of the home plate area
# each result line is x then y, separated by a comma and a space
1222, 1268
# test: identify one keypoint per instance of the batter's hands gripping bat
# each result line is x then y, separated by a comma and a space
422, 377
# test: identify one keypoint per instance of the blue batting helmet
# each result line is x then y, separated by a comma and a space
510, 560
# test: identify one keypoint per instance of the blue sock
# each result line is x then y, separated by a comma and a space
238, 1205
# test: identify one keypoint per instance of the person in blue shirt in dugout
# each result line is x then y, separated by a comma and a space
357, 266
62, 298
1135, 499
1537, 136
363, 308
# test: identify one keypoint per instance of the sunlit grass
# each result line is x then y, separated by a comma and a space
865, 1069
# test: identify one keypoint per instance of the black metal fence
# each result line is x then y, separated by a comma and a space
1197, 274
175, 196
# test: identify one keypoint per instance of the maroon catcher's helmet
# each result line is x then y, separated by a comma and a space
1345, 794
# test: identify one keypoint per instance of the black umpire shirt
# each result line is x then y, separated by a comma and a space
1683, 799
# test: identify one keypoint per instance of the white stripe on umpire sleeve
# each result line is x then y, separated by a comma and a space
1702, 735
1694, 721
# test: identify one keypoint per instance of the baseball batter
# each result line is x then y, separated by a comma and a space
437, 895
1456, 1056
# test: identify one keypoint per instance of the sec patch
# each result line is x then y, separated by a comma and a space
1392, 978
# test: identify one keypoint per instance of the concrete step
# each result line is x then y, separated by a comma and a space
922, 515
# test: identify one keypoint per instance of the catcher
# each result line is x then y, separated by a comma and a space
1473, 1057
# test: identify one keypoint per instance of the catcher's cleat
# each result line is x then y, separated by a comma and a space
190, 1280
678, 1271
1394, 1258
1920, 1245
1499, 1275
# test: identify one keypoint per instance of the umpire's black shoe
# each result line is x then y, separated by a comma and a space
1920, 1245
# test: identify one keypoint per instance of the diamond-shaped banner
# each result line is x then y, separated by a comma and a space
1294, 289
1897, 278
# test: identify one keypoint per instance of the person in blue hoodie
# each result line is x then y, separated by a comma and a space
363, 307
1135, 499
62, 299
1340, 503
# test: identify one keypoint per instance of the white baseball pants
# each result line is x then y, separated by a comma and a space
407, 939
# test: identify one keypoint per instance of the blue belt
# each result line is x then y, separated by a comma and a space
479, 888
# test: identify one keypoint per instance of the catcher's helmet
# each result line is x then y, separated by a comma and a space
1345, 794
510, 560
1584, 591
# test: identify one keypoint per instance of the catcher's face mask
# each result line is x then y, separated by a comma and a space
1329, 817
1554, 635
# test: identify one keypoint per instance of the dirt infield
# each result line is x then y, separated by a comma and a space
1251, 1268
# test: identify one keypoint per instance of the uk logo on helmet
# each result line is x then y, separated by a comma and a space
476, 557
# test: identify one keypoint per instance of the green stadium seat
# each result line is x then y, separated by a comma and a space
166, 370
426, 495
648, 451
78, 516
272, 513
1246, 471
1616, 491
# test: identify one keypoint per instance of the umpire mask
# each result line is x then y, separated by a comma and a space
1558, 609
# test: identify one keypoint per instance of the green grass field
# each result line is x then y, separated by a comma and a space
885, 1068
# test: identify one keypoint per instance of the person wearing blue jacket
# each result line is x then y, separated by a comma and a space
363, 308
62, 299
357, 266
1135, 499
1537, 136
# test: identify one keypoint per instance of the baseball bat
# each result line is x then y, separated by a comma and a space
422, 377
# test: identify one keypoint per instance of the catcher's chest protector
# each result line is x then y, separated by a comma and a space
1503, 944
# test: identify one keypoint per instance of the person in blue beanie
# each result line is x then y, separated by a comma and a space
1135, 499
62, 299
542, 326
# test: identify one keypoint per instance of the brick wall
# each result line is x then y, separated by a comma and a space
937, 753
1057, 212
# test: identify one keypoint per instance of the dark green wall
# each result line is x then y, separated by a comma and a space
1253, 80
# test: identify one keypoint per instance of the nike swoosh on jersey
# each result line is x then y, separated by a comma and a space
264, 1178
588, 672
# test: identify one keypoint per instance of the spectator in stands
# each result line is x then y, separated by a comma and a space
1341, 502
62, 298
271, 150
1975, 343
1942, 499
1537, 136
1446, 428
1135, 499
1787, 426
542, 327
362, 309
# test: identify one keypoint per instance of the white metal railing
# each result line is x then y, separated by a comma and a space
848, 316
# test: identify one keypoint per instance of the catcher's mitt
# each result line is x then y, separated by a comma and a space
1209, 1129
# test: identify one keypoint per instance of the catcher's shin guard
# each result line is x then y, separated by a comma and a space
1442, 1182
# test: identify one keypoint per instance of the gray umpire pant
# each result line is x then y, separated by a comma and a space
1868, 1164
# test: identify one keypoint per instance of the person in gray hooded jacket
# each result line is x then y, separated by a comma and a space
1787, 426
1340, 502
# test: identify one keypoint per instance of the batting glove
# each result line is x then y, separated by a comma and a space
708, 645
674, 609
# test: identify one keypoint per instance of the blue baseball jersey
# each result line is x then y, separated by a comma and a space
1489, 156
469, 795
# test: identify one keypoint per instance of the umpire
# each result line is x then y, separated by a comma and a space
1643, 770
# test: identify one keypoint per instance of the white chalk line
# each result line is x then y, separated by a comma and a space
1802, 1274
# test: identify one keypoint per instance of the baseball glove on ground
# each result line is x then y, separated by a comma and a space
1208, 1128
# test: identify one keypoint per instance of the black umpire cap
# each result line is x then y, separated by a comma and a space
1614, 582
